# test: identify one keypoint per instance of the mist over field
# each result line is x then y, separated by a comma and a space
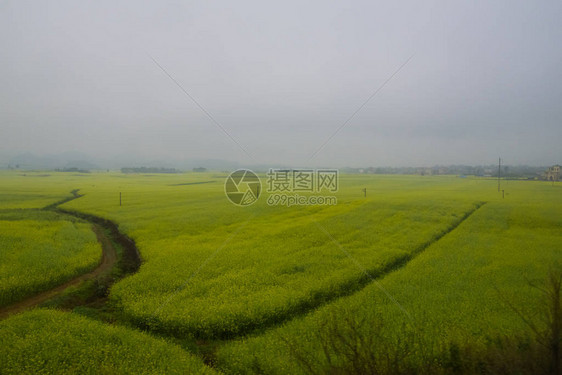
265, 83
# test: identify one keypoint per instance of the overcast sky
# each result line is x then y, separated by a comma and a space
281, 77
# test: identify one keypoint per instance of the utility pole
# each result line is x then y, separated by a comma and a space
365, 192
499, 172
119, 198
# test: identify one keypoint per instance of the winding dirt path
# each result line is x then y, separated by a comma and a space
129, 263
109, 258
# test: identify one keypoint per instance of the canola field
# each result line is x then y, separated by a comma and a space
452, 293
247, 289
53, 342
40, 250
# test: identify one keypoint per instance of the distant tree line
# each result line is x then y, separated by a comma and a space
72, 169
519, 171
148, 170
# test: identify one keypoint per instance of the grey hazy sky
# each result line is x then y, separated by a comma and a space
281, 77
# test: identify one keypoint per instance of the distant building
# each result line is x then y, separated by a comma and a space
552, 173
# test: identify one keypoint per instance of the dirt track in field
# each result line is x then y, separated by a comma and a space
109, 258
129, 263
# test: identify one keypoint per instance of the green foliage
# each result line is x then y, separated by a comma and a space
33, 189
453, 291
273, 276
53, 342
214, 270
40, 250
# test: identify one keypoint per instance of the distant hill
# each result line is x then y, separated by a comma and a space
66, 160
81, 161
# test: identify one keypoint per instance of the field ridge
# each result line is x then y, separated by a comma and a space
317, 299
357, 284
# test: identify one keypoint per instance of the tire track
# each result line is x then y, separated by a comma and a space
129, 262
